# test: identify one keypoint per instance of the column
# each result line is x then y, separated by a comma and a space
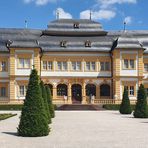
83, 93
69, 94
54, 92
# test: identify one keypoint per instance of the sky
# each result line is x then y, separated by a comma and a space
110, 13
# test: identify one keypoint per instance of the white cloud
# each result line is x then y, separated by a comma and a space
128, 20
39, 2
108, 3
63, 14
98, 15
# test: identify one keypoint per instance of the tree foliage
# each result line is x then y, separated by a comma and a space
125, 107
50, 104
141, 109
44, 96
33, 120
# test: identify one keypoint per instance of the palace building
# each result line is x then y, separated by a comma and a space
77, 59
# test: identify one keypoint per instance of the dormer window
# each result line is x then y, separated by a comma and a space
63, 43
87, 43
76, 25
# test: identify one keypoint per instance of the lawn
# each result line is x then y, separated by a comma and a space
5, 116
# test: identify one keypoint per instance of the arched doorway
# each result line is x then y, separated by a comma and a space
62, 90
76, 93
90, 90
104, 90
50, 87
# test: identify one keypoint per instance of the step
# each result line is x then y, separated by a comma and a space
81, 107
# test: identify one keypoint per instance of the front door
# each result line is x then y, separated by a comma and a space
76, 93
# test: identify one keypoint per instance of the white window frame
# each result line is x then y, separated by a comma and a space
104, 66
24, 63
63, 66
76, 66
22, 93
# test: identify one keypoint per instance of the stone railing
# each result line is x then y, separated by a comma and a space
104, 101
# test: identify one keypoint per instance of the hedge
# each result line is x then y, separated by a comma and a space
14, 107
115, 106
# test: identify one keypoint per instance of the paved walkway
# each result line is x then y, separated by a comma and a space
81, 129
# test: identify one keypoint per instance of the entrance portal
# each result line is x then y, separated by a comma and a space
76, 93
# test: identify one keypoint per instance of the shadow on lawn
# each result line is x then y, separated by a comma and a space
11, 133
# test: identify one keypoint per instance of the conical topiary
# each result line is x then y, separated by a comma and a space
44, 95
49, 99
125, 107
33, 120
141, 109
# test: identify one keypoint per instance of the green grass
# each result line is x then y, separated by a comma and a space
5, 116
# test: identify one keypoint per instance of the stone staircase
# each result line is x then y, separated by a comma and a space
80, 107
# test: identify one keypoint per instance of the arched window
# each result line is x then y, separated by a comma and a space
104, 90
90, 89
50, 87
62, 90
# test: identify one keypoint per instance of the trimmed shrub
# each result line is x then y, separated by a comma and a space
141, 109
49, 99
33, 120
125, 107
44, 96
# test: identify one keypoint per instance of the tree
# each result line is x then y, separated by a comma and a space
44, 95
125, 107
33, 120
49, 98
141, 109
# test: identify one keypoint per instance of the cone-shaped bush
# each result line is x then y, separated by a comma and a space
44, 96
49, 98
33, 120
141, 110
125, 107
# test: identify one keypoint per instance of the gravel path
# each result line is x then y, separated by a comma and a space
81, 129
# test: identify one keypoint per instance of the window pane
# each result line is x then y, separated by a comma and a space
21, 63
131, 90
146, 67
3, 66
73, 65
87, 65
107, 66
132, 64
49, 65
125, 63
44, 65
93, 66
78, 66
3, 91
59, 66
64, 66
27, 63
102, 66
22, 90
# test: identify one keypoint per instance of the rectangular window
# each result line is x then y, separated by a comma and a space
93, 66
44, 65
3, 92
24, 63
131, 91
126, 63
88, 67
4, 65
50, 65
146, 67
105, 66
132, 64
76, 66
22, 90
62, 65
129, 64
